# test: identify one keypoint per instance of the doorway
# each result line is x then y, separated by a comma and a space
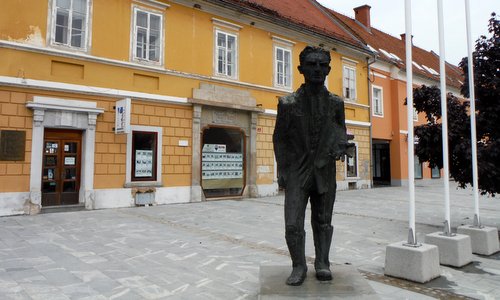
381, 163
222, 162
61, 167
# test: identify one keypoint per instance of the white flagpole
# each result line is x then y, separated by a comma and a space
412, 239
477, 221
444, 113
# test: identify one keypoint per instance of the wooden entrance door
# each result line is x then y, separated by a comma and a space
61, 167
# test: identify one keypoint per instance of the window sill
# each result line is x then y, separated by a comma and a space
143, 184
352, 178
146, 62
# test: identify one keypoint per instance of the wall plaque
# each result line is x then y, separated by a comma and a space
12, 145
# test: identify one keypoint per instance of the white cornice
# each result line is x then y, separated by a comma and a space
226, 24
153, 3
281, 40
358, 123
85, 89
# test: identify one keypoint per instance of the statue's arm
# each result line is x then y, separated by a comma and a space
279, 141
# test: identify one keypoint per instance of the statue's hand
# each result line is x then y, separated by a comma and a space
281, 181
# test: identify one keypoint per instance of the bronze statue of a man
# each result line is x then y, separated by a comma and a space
309, 136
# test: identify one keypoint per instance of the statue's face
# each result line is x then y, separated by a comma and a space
315, 68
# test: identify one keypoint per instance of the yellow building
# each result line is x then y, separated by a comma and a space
113, 103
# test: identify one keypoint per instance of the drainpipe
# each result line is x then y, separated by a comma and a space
368, 63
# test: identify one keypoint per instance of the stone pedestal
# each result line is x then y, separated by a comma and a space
347, 283
455, 250
419, 264
484, 240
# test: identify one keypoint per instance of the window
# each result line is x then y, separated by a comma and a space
352, 164
349, 87
378, 104
144, 155
147, 39
283, 67
70, 23
435, 172
418, 168
226, 54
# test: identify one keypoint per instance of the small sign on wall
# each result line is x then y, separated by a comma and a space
122, 116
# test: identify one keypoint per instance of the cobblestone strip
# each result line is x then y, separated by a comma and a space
399, 283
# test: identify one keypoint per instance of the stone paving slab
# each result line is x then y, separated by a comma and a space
213, 250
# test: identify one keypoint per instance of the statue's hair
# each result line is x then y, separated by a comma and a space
312, 49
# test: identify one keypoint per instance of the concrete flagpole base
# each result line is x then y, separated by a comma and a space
484, 239
419, 264
454, 250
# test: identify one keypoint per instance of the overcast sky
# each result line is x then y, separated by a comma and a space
389, 16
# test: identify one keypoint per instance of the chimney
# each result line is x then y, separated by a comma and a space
403, 38
362, 15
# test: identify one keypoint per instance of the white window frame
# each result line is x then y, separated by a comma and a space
51, 32
159, 147
345, 71
357, 163
235, 74
133, 37
287, 80
380, 112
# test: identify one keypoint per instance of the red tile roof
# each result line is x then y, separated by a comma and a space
380, 40
305, 13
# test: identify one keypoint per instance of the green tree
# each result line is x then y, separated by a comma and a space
486, 59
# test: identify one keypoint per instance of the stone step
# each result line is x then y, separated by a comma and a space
63, 208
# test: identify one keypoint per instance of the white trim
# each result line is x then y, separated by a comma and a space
133, 37
226, 24
283, 41
91, 90
358, 123
350, 61
403, 131
379, 75
236, 62
133, 65
49, 103
349, 103
273, 112
275, 67
128, 163
153, 3
352, 68
357, 164
381, 100
51, 29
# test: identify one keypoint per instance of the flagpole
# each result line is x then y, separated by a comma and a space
444, 119
477, 222
412, 238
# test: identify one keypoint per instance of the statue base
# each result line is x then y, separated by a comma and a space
347, 283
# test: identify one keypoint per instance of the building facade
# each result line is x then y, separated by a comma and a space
387, 79
115, 103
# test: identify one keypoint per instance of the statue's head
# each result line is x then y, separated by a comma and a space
314, 64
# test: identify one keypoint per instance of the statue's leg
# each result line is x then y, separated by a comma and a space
295, 206
321, 219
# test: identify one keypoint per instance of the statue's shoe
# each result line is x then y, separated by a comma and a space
324, 274
298, 276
